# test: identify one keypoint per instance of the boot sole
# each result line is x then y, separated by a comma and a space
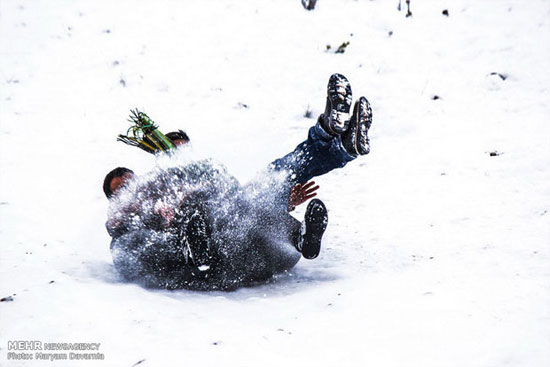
362, 117
198, 241
316, 219
339, 96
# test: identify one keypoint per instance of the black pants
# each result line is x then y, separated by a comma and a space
241, 255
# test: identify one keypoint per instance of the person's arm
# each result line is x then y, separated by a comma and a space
115, 229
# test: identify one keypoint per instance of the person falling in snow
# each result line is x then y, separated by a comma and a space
195, 227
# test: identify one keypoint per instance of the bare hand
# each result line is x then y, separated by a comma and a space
166, 213
299, 194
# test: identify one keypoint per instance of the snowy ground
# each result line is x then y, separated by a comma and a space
437, 253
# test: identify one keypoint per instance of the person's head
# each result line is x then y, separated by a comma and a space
178, 137
115, 180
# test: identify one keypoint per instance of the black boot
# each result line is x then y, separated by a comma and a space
313, 227
356, 139
197, 239
335, 119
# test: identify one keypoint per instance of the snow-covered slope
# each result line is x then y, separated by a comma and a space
437, 251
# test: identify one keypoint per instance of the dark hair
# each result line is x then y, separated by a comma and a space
177, 135
117, 172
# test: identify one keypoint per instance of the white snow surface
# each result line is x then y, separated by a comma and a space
436, 253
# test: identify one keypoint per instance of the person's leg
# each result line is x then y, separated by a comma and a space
323, 150
273, 245
320, 153
277, 231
